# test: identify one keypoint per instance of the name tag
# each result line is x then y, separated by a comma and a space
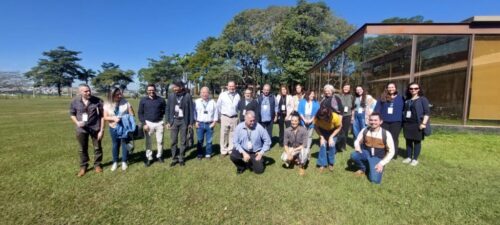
346, 109
180, 113
390, 110
373, 152
177, 108
360, 110
408, 114
265, 107
85, 117
244, 112
249, 145
283, 107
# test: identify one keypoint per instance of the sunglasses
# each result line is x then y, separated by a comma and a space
413, 89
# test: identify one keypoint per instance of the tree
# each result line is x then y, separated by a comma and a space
161, 71
59, 69
86, 75
112, 76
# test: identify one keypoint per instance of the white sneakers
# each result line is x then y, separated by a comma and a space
124, 166
407, 160
114, 166
414, 162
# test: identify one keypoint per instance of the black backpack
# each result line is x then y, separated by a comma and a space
384, 136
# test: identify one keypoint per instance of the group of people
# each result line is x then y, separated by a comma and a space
246, 125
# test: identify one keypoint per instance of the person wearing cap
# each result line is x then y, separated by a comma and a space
179, 115
206, 118
227, 106
86, 112
151, 112
251, 141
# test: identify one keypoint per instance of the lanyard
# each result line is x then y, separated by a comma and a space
249, 134
179, 99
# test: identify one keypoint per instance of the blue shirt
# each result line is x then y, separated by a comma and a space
265, 109
396, 104
261, 142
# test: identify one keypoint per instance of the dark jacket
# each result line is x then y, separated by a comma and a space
186, 105
152, 110
253, 105
272, 105
422, 108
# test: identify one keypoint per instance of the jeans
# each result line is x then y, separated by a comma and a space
83, 140
364, 159
116, 142
359, 123
414, 147
202, 131
326, 154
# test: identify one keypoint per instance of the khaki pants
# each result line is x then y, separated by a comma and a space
157, 129
227, 126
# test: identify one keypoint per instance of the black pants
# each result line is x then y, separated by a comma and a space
257, 166
283, 124
394, 128
269, 127
83, 140
178, 128
344, 132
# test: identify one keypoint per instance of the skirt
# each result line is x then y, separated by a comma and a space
412, 131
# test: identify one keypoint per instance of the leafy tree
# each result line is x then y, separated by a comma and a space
86, 75
162, 71
112, 76
58, 69
414, 19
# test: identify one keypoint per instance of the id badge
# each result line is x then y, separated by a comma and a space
408, 114
177, 109
373, 152
264, 107
180, 113
360, 110
244, 111
249, 145
390, 110
283, 107
85, 117
346, 109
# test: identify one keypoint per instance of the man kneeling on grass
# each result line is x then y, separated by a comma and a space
250, 142
295, 140
374, 148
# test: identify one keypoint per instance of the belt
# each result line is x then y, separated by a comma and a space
203, 122
230, 116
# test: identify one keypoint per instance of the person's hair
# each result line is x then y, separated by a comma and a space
324, 112
84, 85
295, 115
250, 113
386, 96
363, 96
285, 87
112, 93
151, 85
248, 89
408, 93
231, 81
268, 85
330, 87
301, 89
308, 93
346, 84
376, 114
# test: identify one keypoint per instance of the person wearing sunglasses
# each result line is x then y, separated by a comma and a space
415, 122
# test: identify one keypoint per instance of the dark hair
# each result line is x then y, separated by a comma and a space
286, 87
408, 93
151, 85
324, 112
112, 93
363, 96
386, 96
376, 114
302, 88
346, 84
306, 96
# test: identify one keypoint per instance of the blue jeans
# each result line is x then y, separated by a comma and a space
116, 142
202, 130
326, 154
364, 159
359, 123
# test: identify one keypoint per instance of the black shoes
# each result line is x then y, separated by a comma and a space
161, 160
148, 163
182, 163
239, 171
173, 163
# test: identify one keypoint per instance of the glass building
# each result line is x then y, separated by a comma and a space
456, 64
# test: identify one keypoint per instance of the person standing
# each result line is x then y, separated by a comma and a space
390, 106
299, 95
416, 123
331, 100
206, 118
248, 103
86, 112
118, 112
151, 112
227, 106
285, 109
364, 104
308, 107
295, 150
327, 124
268, 109
373, 148
251, 142
347, 100
179, 116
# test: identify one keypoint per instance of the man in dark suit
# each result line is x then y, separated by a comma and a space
247, 104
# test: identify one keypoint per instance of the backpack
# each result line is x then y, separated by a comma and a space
384, 136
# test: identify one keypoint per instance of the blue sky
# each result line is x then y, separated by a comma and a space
127, 32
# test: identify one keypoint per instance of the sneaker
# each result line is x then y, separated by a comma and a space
414, 162
359, 173
114, 166
124, 166
330, 167
208, 156
407, 160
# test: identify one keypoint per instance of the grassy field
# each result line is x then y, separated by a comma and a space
456, 182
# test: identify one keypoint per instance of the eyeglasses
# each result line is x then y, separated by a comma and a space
413, 89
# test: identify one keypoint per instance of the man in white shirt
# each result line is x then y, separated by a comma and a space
373, 148
227, 106
205, 117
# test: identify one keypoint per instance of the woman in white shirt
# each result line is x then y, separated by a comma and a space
115, 107
285, 108
364, 104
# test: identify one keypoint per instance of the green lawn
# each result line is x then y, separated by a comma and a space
456, 182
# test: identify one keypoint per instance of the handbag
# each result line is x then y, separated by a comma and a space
190, 137
138, 133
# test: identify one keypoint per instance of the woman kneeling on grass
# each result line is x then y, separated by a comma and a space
295, 141
119, 114
327, 124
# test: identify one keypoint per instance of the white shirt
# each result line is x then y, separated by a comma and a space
202, 106
309, 108
227, 103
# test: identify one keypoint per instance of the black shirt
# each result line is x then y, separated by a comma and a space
151, 109
94, 110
